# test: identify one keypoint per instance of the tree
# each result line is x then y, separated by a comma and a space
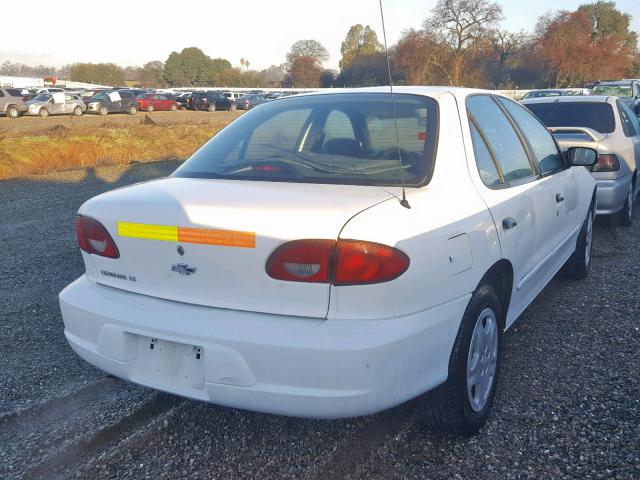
419, 58
463, 27
310, 49
360, 41
366, 71
574, 54
305, 72
608, 20
98, 73
274, 75
189, 68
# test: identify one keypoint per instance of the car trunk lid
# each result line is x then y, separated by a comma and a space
207, 242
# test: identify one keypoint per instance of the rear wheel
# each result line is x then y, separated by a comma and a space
150, 108
579, 264
132, 110
212, 107
462, 404
77, 112
233, 107
12, 111
103, 110
626, 214
173, 108
43, 112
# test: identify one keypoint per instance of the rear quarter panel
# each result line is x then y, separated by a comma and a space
448, 234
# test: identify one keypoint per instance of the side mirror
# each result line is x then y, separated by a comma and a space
582, 157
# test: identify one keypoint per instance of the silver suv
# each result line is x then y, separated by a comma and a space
57, 103
12, 102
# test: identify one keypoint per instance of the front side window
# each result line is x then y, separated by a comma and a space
540, 141
333, 138
595, 115
501, 137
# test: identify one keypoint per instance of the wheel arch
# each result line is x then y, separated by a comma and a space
500, 277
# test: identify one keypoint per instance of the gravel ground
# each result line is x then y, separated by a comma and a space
568, 403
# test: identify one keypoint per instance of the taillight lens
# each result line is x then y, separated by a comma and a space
606, 163
345, 262
93, 238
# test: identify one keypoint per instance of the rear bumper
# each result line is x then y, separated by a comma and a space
269, 363
612, 194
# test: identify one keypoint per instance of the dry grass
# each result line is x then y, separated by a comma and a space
62, 149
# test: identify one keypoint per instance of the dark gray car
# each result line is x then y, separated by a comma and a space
12, 102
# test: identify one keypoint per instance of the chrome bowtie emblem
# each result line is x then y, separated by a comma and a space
183, 269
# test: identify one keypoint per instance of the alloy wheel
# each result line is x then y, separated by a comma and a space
482, 359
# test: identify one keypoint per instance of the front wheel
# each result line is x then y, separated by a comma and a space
173, 108
579, 264
150, 108
233, 107
43, 112
462, 404
77, 112
626, 214
103, 111
212, 107
132, 110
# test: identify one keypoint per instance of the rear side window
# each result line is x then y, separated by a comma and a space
595, 115
14, 92
1, 93
627, 127
484, 159
540, 141
501, 137
344, 138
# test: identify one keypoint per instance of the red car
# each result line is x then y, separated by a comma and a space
156, 101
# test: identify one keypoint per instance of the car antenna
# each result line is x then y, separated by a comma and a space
404, 202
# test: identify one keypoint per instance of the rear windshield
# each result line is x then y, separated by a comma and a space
335, 138
612, 90
598, 116
542, 93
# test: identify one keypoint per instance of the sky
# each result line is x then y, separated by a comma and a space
261, 32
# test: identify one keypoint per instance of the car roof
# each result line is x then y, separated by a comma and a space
616, 83
569, 99
435, 91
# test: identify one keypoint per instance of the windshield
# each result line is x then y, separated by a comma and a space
99, 96
598, 116
612, 90
333, 138
43, 97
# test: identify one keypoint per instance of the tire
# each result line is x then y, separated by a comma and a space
103, 111
77, 112
43, 113
626, 214
150, 108
173, 108
462, 404
233, 107
579, 264
12, 111
132, 110
212, 107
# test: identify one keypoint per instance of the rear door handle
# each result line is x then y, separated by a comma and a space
508, 223
559, 198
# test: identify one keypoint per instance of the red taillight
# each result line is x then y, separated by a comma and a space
606, 163
94, 238
345, 262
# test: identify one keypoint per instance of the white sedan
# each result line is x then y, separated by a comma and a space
281, 269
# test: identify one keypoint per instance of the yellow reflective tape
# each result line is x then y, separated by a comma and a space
202, 236
148, 232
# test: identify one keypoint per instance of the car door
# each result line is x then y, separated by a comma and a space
631, 129
522, 207
558, 185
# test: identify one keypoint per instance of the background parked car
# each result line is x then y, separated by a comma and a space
544, 93
155, 101
233, 95
184, 100
607, 125
12, 102
211, 101
627, 90
247, 102
114, 101
58, 103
